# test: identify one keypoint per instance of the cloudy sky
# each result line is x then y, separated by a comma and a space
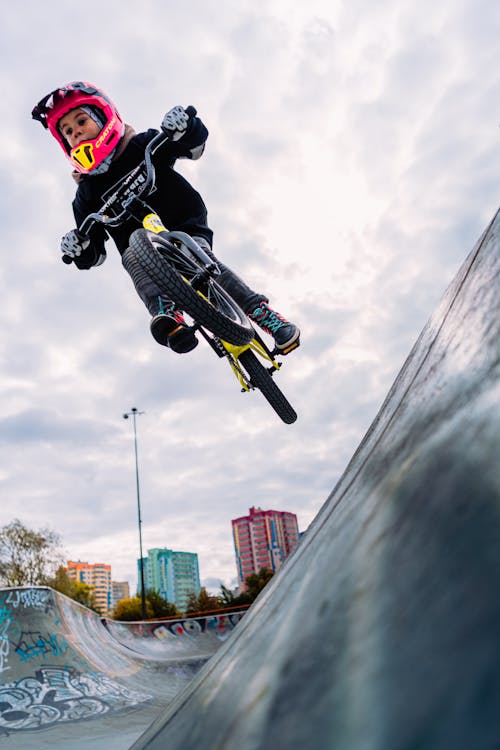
352, 164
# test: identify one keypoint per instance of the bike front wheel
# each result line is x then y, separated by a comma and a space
193, 291
261, 379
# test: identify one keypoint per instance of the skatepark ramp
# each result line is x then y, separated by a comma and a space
382, 630
71, 679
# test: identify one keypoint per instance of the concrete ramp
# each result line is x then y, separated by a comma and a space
72, 680
382, 631
191, 639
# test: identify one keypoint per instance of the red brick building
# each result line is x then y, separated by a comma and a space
263, 539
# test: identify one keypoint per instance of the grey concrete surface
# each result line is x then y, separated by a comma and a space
70, 680
382, 631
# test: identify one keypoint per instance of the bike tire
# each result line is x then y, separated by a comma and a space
261, 379
210, 306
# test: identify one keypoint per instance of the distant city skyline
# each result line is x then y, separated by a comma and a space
351, 165
97, 575
119, 590
263, 539
175, 581
173, 574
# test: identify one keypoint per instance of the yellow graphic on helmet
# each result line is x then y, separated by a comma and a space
84, 155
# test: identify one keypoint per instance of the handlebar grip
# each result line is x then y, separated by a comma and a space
66, 259
191, 111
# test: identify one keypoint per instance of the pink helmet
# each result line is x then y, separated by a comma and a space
88, 155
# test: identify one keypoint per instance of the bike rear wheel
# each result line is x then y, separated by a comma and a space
261, 378
177, 273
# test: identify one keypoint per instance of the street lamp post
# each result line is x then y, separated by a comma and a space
134, 413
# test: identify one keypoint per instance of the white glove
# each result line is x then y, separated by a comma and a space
175, 122
72, 244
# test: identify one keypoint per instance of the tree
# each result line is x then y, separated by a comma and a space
130, 610
156, 606
161, 607
254, 585
28, 557
226, 596
257, 581
77, 590
203, 602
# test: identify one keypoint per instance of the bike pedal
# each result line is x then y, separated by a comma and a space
289, 349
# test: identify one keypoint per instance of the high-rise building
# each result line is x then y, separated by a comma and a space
97, 575
174, 575
119, 590
263, 539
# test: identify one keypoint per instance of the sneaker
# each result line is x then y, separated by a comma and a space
172, 331
286, 335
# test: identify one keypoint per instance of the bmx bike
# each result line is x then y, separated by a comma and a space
188, 276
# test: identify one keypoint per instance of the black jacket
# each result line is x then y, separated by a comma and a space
177, 203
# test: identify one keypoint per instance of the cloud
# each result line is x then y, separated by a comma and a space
351, 166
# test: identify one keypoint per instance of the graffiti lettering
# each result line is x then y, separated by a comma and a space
28, 598
35, 645
4, 646
220, 625
61, 694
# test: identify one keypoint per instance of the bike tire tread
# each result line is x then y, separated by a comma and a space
179, 290
262, 380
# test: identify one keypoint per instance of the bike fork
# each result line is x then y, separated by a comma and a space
232, 353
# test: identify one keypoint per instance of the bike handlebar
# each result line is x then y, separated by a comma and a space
145, 188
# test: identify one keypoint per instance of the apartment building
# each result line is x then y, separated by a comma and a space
263, 539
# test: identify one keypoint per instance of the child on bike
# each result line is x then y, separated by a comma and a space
103, 149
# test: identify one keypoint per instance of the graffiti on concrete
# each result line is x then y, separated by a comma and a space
4, 645
220, 625
28, 645
6, 630
61, 694
36, 645
38, 598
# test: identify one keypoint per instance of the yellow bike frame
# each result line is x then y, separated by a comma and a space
233, 359
153, 222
